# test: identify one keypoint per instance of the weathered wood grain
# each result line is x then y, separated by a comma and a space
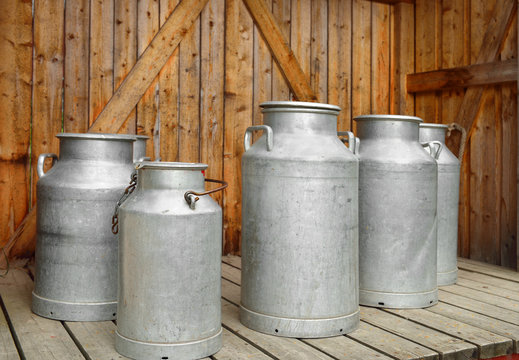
76, 77
212, 91
448, 347
361, 61
101, 56
319, 50
339, 59
380, 63
281, 12
489, 344
493, 299
236, 348
238, 113
488, 288
7, 347
148, 66
96, 338
488, 280
169, 93
286, 59
125, 50
488, 269
39, 338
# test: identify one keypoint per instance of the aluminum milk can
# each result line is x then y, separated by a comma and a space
76, 252
397, 214
299, 224
448, 195
170, 246
139, 148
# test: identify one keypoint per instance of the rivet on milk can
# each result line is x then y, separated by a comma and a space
170, 245
448, 196
299, 224
397, 214
76, 253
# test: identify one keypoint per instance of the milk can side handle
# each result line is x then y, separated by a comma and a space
192, 197
248, 134
435, 153
41, 162
351, 140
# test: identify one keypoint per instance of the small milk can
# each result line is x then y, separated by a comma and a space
397, 214
448, 196
76, 253
170, 246
299, 224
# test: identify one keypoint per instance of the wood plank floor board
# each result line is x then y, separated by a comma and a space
489, 344
479, 307
447, 346
235, 348
391, 344
7, 345
488, 269
39, 338
489, 280
344, 348
478, 320
489, 289
491, 299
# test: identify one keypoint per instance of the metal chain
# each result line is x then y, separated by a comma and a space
127, 192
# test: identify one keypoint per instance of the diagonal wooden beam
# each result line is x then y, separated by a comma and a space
148, 66
498, 26
280, 50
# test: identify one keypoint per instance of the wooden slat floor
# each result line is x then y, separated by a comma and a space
476, 319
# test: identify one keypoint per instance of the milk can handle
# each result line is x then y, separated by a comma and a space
41, 162
248, 134
435, 153
351, 140
192, 197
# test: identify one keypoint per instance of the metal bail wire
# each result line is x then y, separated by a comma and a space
127, 192
192, 197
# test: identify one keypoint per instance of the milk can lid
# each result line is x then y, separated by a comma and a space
97, 136
299, 105
389, 118
164, 165
435, 126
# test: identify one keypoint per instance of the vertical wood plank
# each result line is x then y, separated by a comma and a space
77, 17
15, 87
508, 140
426, 56
262, 75
47, 80
319, 50
300, 33
361, 57
125, 50
281, 11
238, 113
169, 95
101, 55
147, 108
380, 52
189, 92
402, 59
339, 59
212, 90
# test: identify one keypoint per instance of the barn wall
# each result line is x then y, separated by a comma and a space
67, 59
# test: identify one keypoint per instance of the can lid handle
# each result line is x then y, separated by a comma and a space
352, 140
265, 128
434, 152
41, 163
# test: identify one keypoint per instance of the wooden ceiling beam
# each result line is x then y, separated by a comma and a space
492, 73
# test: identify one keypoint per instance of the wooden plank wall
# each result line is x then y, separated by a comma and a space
449, 34
355, 53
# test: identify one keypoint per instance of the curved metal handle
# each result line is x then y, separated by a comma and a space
351, 140
265, 128
41, 162
144, 158
458, 127
192, 197
435, 153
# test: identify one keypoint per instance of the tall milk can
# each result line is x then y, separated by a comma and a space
170, 246
397, 214
299, 224
76, 252
448, 195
